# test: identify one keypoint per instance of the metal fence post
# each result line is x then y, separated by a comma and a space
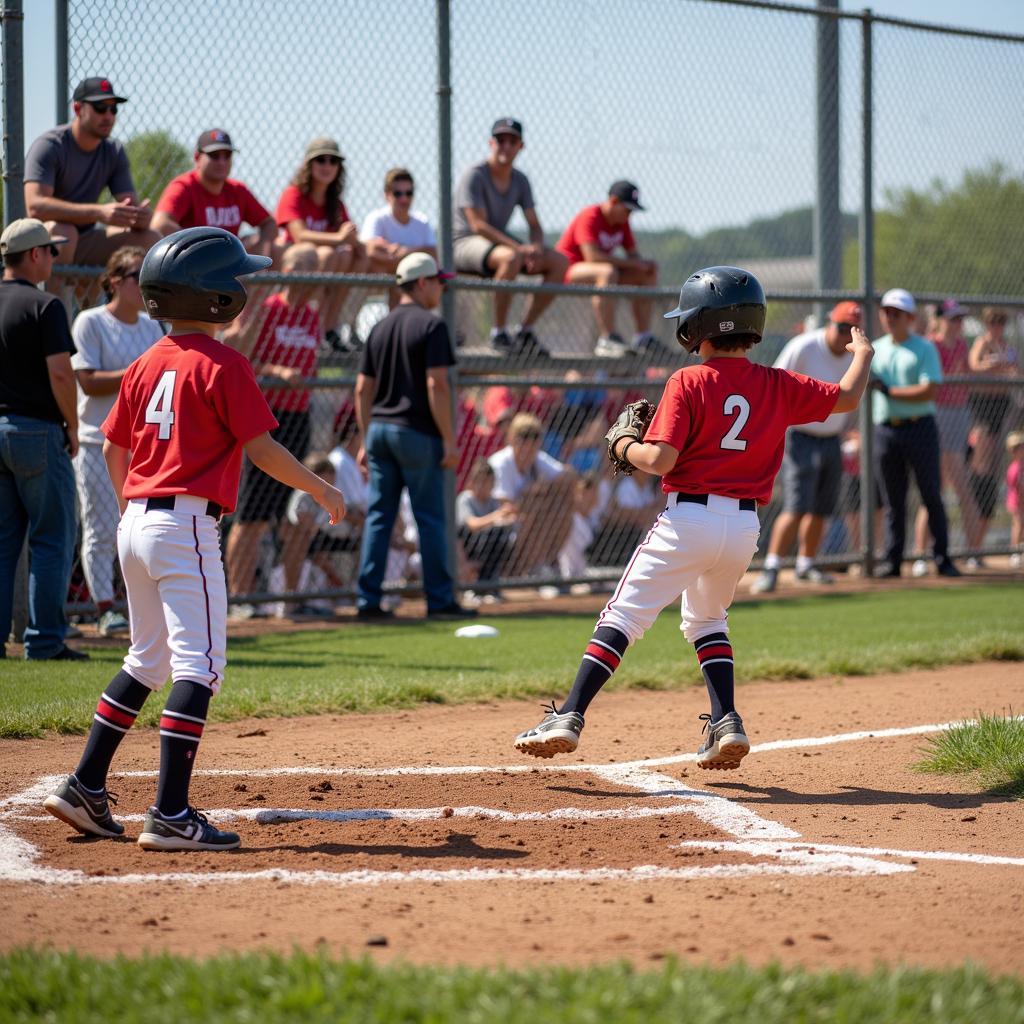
60, 40
14, 111
828, 241
867, 284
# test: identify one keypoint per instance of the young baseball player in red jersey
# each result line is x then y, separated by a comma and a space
717, 441
185, 411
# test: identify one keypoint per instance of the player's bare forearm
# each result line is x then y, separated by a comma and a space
117, 459
656, 458
855, 380
278, 462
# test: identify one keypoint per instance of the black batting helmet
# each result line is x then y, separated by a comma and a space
193, 275
718, 302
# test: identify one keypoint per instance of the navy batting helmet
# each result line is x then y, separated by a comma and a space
193, 275
718, 302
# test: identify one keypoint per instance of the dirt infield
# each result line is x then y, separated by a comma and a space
423, 836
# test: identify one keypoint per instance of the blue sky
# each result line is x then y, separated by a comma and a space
708, 107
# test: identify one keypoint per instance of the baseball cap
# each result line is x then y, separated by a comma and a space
507, 126
93, 90
26, 233
627, 193
950, 308
899, 298
417, 265
216, 140
322, 146
1014, 438
846, 313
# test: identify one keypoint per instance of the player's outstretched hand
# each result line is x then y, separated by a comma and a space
333, 501
859, 342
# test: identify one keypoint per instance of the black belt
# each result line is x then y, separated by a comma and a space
905, 422
746, 504
165, 503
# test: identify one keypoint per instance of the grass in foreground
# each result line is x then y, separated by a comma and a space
367, 668
311, 988
990, 748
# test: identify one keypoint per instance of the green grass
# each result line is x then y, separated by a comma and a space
309, 988
365, 668
991, 749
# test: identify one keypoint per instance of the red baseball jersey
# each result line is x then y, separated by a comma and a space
589, 227
185, 409
295, 205
188, 201
728, 418
289, 336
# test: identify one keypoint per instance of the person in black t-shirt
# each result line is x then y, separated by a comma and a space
403, 407
38, 439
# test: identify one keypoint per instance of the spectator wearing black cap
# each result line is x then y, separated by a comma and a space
589, 244
206, 195
486, 196
38, 439
68, 167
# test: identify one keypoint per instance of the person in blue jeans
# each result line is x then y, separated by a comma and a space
403, 407
38, 439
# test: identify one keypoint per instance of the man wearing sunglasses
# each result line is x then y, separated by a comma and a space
38, 439
207, 196
812, 467
68, 167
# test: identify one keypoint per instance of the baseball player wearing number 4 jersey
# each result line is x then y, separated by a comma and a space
174, 441
717, 441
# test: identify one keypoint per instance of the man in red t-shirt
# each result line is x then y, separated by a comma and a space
716, 441
207, 196
589, 244
185, 411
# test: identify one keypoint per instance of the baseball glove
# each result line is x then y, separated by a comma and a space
632, 422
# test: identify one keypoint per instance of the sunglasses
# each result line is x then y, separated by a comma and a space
403, 193
134, 276
104, 108
54, 251
845, 328
997, 321
324, 158
507, 140
220, 154
530, 435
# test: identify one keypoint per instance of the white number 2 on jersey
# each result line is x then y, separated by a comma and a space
732, 440
161, 406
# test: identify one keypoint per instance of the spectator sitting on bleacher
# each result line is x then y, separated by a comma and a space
207, 196
589, 244
523, 461
486, 196
311, 210
485, 523
395, 230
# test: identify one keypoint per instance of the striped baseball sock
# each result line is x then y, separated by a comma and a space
600, 660
714, 653
181, 729
115, 714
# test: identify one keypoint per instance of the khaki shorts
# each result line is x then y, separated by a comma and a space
471, 254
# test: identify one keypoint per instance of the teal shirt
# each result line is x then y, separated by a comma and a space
914, 361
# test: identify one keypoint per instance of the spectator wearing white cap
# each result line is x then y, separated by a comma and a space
905, 374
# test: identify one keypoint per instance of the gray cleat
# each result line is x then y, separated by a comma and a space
726, 744
193, 832
766, 582
557, 734
89, 814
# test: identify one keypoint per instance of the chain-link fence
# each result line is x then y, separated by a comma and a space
768, 136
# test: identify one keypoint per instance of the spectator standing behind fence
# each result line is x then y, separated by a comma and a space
283, 342
906, 372
403, 405
1015, 494
954, 423
589, 244
206, 196
395, 230
486, 196
991, 356
68, 167
812, 466
311, 210
109, 339
38, 439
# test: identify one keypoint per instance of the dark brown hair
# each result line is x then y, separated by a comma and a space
303, 181
734, 342
397, 174
117, 266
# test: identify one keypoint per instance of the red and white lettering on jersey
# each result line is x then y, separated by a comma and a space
191, 205
589, 227
185, 409
289, 336
294, 205
728, 419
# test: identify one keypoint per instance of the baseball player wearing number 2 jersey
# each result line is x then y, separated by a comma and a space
185, 411
717, 441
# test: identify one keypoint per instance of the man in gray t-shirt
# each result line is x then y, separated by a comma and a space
486, 196
67, 169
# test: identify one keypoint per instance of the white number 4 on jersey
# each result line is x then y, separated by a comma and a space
161, 406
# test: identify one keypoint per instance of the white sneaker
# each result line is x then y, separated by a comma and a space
1015, 561
610, 346
919, 568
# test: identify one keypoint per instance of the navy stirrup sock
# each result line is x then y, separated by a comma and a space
600, 660
115, 715
714, 653
181, 728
